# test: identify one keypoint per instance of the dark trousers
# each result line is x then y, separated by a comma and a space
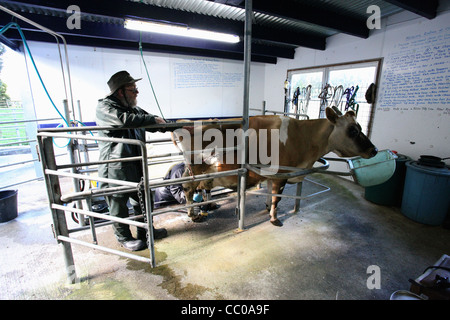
118, 208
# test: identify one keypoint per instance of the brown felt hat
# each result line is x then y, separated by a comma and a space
120, 79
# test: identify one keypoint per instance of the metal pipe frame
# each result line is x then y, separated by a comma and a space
128, 186
21, 182
264, 111
101, 216
85, 177
340, 173
155, 126
218, 192
25, 121
60, 228
242, 178
105, 249
298, 196
58, 210
52, 171
296, 172
17, 142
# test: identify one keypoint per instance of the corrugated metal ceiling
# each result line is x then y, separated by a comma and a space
357, 8
278, 26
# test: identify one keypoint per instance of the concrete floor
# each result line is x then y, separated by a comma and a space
322, 252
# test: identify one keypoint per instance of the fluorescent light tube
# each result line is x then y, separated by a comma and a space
179, 30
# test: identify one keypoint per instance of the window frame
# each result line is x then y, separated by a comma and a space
325, 77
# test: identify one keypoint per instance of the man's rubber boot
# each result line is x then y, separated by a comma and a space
133, 244
157, 234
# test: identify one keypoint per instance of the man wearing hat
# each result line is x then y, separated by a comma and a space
119, 109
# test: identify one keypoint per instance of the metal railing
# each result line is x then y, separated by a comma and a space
83, 198
22, 140
263, 111
58, 201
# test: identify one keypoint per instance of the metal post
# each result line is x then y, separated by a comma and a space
269, 196
88, 202
83, 145
73, 159
54, 194
298, 194
245, 115
247, 60
148, 207
206, 197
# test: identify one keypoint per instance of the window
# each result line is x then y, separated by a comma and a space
311, 90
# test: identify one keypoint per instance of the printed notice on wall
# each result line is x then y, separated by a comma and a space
206, 87
204, 73
416, 73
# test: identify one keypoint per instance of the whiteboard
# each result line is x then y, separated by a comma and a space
206, 87
413, 106
416, 70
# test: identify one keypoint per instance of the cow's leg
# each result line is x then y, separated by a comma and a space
277, 188
269, 198
189, 190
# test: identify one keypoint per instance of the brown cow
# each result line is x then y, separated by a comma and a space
290, 142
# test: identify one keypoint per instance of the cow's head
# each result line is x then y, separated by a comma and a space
347, 139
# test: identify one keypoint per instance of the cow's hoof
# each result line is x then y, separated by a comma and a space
199, 218
276, 223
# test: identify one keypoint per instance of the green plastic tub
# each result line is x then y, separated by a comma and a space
390, 193
373, 171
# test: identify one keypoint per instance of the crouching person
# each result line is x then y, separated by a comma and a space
174, 194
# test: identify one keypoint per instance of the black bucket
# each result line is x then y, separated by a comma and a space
8, 205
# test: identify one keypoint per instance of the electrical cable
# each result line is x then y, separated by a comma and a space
14, 24
148, 76
56, 36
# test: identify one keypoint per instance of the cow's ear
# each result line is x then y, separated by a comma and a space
331, 115
350, 114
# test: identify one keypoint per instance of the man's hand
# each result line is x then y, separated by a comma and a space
160, 120
190, 129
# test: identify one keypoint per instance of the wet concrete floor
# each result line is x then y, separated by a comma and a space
322, 252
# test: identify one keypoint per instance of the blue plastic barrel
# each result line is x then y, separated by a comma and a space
426, 194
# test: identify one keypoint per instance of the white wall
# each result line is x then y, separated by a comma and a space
411, 121
185, 86
411, 132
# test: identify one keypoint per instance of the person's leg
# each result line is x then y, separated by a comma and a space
118, 208
141, 232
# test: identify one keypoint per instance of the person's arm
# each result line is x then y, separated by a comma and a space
177, 192
109, 113
177, 189
137, 118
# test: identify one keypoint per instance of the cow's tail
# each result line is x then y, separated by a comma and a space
174, 141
